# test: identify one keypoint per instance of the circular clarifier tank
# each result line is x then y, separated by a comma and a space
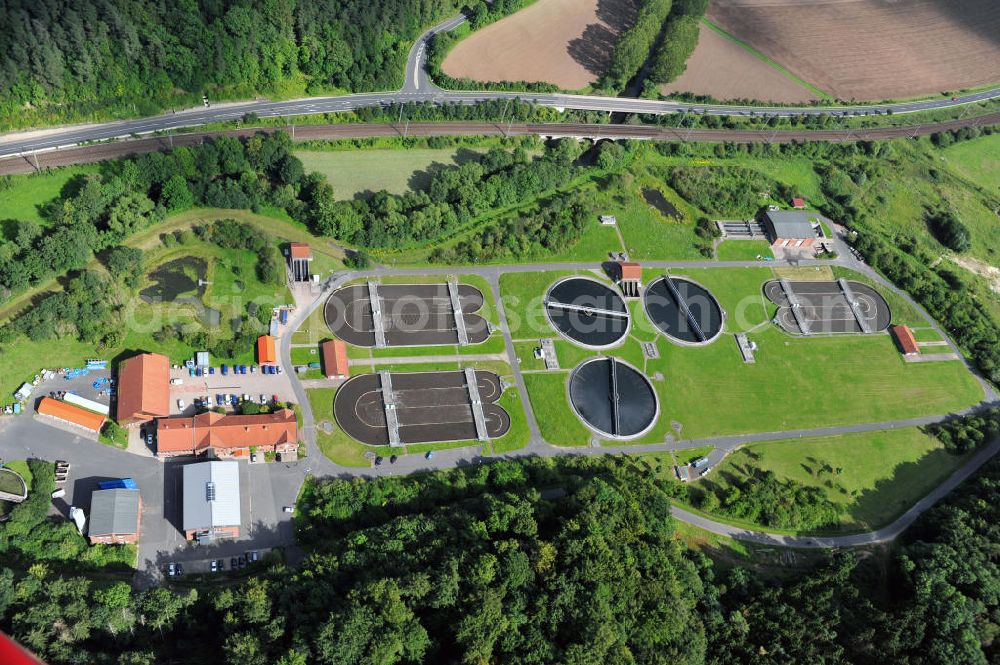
683, 310
612, 398
587, 312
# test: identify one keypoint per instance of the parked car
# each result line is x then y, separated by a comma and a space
171, 569
429, 455
289, 509
243, 561
149, 439
180, 404
224, 369
59, 493
392, 460
253, 458
378, 460
701, 461
180, 569
233, 564
274, 398
215, 566
234, 400
253, 556
246, 398
253, 369
263, 399
176, 382
211, 370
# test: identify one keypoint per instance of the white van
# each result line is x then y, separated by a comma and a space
59, 493
176, 382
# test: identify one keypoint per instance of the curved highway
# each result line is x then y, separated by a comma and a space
419, 88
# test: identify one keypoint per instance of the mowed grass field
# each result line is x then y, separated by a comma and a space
360, 172
25, 194
977, 161
796, 383
564, 42
872, 49
876, 476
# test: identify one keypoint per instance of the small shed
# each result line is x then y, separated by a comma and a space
907, 342
799, 204
334, 354
266, 352
608, 220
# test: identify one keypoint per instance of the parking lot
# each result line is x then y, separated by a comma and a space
253, 384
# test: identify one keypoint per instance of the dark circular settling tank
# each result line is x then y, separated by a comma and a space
612, 398
684, 311
587, 312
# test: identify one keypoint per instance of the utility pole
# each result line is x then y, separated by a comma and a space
34, 154
407, 130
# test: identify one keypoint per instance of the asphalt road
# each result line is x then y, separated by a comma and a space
419, 88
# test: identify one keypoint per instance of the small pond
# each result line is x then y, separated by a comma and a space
176, 281
655, 198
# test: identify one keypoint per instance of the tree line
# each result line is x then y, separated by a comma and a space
568, 560
71, 59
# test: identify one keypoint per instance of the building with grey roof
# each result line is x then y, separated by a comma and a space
115, 516
783, 226
211, 501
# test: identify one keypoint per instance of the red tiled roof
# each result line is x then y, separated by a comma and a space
798, 203
265, 350
300, 250
334, 352
906, 340
631, 270
143, 388
215, 430
71, 413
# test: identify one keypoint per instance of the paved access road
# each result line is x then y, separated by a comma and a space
419, 89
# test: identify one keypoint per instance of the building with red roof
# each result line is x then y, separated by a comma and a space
907, 342
299, 257
630, 278
799, 204
54, 408
223, 435
266, 351
143, 389
334, 353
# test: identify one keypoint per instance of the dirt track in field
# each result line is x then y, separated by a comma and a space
873, 49
723, 69
563, 42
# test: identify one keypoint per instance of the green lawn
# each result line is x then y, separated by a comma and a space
648, 233
877, 476
742, 250
977, 160
804, 383
21, 467
550, 403
355, 172
27, 193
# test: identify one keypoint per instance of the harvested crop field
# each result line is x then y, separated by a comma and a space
563, 42
723, 69
873, 49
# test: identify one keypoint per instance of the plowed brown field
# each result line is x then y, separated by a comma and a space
725, 70
563, 42
872, 49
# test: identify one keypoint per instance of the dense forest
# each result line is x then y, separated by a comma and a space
79, 59
570, 560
